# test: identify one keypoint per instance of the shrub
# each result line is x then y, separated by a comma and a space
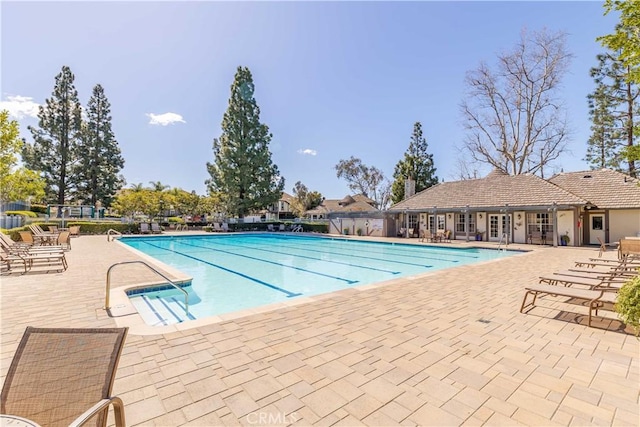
39, 208
30, 214
628, 304
175, 220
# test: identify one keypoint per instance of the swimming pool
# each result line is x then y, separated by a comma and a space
233, 272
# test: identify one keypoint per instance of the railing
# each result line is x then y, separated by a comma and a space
108, 290
112, 231
504, 238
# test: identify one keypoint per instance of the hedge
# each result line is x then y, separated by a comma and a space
30, 214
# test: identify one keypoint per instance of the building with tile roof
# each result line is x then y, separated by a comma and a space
356, 203
525, 208
612, 208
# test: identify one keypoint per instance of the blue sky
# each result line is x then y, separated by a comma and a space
333, 79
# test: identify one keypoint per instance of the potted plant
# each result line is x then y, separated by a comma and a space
628, 304
345, 231
359, 231
565, 239
479, 236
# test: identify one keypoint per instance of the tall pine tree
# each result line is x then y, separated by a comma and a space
100, 161
603, 146
243, 171
614, 108
417, 165
55, 140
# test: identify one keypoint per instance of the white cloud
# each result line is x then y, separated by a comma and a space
164, 119
20, 106
308, 151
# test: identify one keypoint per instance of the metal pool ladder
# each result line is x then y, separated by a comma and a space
504, 238
114, 232
106, 303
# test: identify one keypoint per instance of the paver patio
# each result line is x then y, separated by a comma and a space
444, 348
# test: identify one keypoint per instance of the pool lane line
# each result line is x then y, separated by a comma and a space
403, 248
356, 256
289, 294
407, 251
348, 281
403, 254
307, 257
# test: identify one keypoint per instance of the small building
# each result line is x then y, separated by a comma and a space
612, 209
281, 210
576, 208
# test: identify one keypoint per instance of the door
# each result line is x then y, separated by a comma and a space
498, 225
596, 228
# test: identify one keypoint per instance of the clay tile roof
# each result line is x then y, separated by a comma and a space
495, 190
604, 188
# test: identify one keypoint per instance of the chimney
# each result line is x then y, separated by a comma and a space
409, 188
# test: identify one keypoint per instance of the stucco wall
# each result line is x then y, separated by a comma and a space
623, 223
566, 225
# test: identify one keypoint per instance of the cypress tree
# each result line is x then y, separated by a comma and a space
243, 171
100, 160
55, 140
417, 164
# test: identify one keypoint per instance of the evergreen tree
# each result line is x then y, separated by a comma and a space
243, 171
55, 140
613, 109
417, 165
100, 159
603, 146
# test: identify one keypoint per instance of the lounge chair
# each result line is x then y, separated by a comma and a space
64, 240
144, 228
629, 249
216, 227
225, 227
595, 297
19, 247
41, 236
62, 377
603, 246
155, 228
281, 228
270, 227
74, 230
30, 259
565, 280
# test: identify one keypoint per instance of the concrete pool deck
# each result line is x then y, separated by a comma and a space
444, 348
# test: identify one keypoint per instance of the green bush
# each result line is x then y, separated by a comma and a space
628, 304
175, 220
39, 208
30, 214
207, 228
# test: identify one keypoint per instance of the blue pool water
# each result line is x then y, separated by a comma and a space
238, 271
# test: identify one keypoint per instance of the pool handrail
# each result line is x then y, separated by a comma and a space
109, 232
108, 285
